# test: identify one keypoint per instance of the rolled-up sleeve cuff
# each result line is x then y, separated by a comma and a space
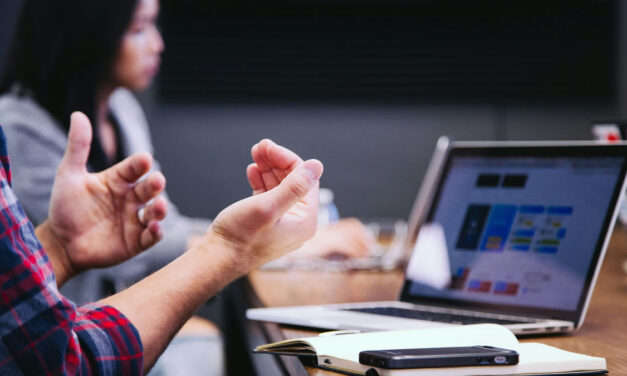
110, 343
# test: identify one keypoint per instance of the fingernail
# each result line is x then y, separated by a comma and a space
313, 170
311, 174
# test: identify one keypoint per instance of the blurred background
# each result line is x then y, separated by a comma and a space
367, 86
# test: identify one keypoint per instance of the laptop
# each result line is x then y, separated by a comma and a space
512, 233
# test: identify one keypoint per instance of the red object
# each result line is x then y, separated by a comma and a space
613, 137
484, 286
510, 289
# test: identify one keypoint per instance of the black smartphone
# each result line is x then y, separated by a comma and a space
439, 357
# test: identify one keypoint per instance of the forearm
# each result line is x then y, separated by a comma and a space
56, 253
160, 304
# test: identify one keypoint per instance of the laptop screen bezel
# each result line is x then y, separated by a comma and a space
539, 149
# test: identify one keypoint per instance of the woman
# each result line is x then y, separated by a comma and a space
88, 55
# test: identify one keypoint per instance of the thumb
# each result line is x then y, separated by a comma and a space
79, 142
295, 186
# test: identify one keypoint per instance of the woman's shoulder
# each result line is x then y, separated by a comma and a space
22, 115
132, 121
124, 104
124, 97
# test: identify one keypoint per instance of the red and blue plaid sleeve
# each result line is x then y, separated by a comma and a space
42, 332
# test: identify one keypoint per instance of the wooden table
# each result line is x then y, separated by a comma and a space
604, 332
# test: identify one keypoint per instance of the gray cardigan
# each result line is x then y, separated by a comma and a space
36, 144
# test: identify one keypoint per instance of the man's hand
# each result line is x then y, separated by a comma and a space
94, 218
346, 238
281, 214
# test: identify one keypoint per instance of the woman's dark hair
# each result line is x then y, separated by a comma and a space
63, 51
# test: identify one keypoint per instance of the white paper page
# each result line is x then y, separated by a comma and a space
535, 357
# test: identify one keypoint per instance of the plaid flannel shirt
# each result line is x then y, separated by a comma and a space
42, 332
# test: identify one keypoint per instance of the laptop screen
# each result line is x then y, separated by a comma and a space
522, 229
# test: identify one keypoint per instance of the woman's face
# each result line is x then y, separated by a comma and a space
140, 51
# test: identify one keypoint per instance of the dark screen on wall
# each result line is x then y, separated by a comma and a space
388, 50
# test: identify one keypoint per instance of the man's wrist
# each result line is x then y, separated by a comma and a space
231, 257
56, 252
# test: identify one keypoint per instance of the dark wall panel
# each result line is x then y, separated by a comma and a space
389, 50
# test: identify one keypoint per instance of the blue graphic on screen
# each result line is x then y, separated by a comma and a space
499, 224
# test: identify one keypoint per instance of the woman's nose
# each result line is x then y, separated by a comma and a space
156, 41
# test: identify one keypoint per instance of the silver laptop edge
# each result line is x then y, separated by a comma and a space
321, 318
427, 190
606, 242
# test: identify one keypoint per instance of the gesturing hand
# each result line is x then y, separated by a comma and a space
93, 218
281, 214
346, 238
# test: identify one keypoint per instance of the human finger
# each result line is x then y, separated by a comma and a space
275, 162
156, 210
294, 187
282, 160
78, 143
275, 158
266, 171
131, 168
255, 179
270, 180
255, 153
280, 157
149, 188
150, 235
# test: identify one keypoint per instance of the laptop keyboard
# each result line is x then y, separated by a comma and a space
434, 316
